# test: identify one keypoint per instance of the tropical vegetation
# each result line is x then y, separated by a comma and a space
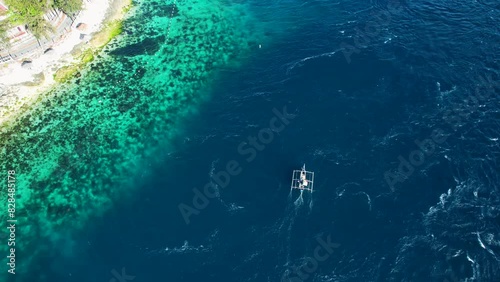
4, 40
31, 14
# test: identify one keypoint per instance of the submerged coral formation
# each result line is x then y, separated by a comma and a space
80, 147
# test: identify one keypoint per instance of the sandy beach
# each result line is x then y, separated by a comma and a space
19, 86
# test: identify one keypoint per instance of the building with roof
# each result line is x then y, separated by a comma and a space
23, 44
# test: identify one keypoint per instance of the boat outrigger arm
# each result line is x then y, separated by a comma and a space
302, 179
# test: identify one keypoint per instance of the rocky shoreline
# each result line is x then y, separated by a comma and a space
21, 84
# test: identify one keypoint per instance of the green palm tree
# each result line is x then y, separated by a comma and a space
39, 27
30, 13
4, 39
69, 7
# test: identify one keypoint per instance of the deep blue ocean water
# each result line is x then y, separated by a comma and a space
353, 117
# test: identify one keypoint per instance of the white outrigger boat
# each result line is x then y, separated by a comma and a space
302, 180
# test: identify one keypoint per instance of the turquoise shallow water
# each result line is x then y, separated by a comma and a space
105, 161
86, 144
